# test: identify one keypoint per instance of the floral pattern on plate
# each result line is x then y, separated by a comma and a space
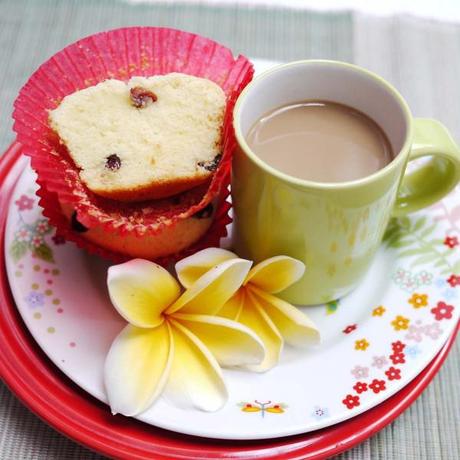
30, 235
374, 341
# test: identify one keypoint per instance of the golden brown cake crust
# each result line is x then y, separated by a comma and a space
169, 240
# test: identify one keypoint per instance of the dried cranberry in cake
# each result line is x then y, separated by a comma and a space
113, 162
76, 225
141, 97
211, 165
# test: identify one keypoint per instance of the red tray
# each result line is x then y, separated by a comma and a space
68, 409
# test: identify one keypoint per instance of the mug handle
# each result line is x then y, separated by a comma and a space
437, 177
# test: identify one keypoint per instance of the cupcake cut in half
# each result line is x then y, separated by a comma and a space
145, 139
174, 149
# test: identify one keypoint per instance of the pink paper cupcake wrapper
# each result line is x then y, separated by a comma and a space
211, 238
121, 54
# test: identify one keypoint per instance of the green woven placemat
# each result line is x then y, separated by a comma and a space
419, 57
31, 31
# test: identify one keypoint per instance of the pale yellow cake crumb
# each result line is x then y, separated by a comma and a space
132, 153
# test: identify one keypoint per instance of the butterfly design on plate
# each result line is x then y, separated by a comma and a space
263, 407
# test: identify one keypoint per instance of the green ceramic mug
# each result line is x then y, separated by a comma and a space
334, 228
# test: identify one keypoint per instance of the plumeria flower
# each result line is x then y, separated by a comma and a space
254, 305
174, 342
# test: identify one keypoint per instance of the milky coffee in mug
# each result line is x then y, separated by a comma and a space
320, 141
332, 221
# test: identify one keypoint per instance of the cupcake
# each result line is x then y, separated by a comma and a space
129, 132
144, 139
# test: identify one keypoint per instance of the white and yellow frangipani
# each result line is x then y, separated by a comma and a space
174, 341
255, 305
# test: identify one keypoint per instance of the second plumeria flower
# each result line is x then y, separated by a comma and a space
174, 341
255, 305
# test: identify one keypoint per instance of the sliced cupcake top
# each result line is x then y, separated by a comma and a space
145, 139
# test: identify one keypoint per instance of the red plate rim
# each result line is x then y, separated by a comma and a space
45, 390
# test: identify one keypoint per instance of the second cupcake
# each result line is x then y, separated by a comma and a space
137, 162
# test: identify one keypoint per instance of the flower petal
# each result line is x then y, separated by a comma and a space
207, 295
231, 343
276, 274
193, 267
255, 318
137, 368
295, 327
141, 290
232, 308
195, 378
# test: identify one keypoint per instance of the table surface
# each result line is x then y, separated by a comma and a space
420, 57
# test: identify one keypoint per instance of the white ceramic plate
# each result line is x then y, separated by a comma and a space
374, 341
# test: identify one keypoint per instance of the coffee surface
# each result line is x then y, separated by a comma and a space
320, 141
